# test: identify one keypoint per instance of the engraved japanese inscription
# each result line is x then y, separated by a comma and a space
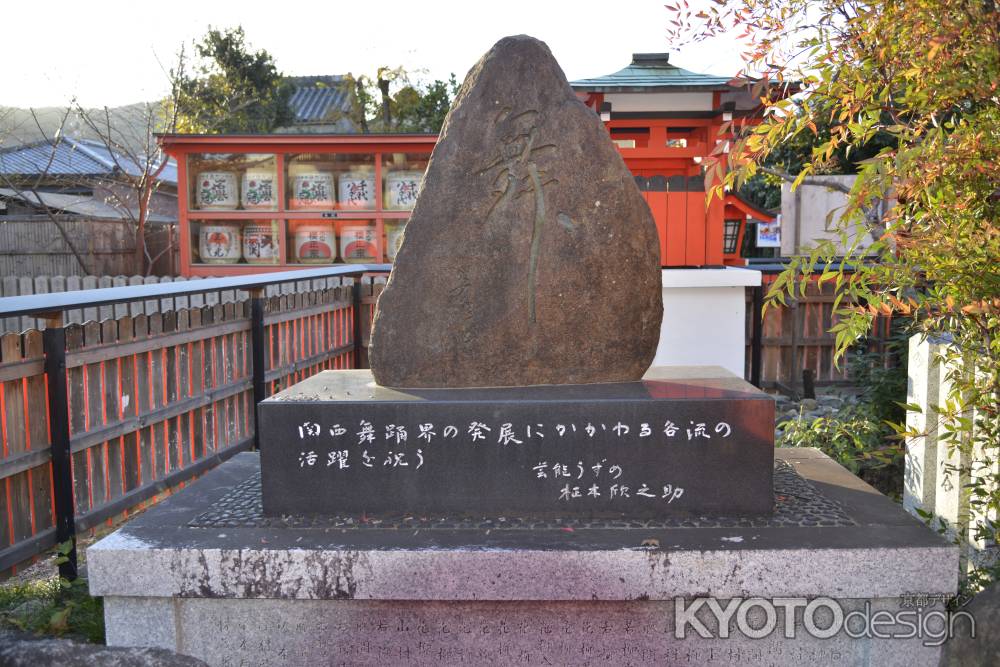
327, 449
630, 449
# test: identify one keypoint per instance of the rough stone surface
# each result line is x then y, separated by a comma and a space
962, 650
530, 257
22, 650
147, 622
887, 553
326, 595
593, 633
796, 503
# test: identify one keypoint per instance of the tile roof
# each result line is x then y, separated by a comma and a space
317, 98
651, 72
67, 156
86, 205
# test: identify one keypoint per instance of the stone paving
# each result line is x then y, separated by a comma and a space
796, 501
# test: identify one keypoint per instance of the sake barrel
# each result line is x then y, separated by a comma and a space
260, 243
259, 190
356, 190
315, 243
393, 238
311, 189
401, 189
357, 244
216, 191
219, 242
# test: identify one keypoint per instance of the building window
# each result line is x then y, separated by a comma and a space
729, 236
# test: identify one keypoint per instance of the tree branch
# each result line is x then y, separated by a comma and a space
808, 180
871, 215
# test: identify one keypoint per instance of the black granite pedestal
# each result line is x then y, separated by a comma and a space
683, 441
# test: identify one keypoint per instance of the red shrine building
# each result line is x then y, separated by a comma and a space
251, 203
666, 122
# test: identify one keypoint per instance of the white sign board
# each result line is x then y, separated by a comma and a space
769, 233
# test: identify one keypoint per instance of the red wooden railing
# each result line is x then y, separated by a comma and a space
99, 419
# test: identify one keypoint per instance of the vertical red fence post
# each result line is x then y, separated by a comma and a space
258, 345
356, 298
757, 349
54, 345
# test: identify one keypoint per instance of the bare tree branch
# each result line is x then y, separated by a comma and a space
135, 178
871, 215
32, 189
808, 180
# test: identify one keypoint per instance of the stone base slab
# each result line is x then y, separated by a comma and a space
326, 595
265, 632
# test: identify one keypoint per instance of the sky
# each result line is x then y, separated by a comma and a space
109, 53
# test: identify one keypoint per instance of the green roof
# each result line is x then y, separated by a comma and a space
652, 72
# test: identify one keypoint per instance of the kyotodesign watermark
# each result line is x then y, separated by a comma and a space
820, 618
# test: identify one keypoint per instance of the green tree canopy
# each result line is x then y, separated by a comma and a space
790, 157
231, 89
392, 101
423, 108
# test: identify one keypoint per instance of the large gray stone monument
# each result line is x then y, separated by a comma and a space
511, 344
531, 257
524, 490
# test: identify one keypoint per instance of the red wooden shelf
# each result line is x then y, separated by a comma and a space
342, 152
690, 228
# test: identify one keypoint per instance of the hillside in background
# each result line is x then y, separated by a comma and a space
19, 126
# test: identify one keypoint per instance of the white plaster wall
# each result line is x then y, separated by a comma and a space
704, 317
659, 101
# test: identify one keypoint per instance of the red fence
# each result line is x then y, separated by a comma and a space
153, 401
27, 481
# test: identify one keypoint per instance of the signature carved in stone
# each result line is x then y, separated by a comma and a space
516, 172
